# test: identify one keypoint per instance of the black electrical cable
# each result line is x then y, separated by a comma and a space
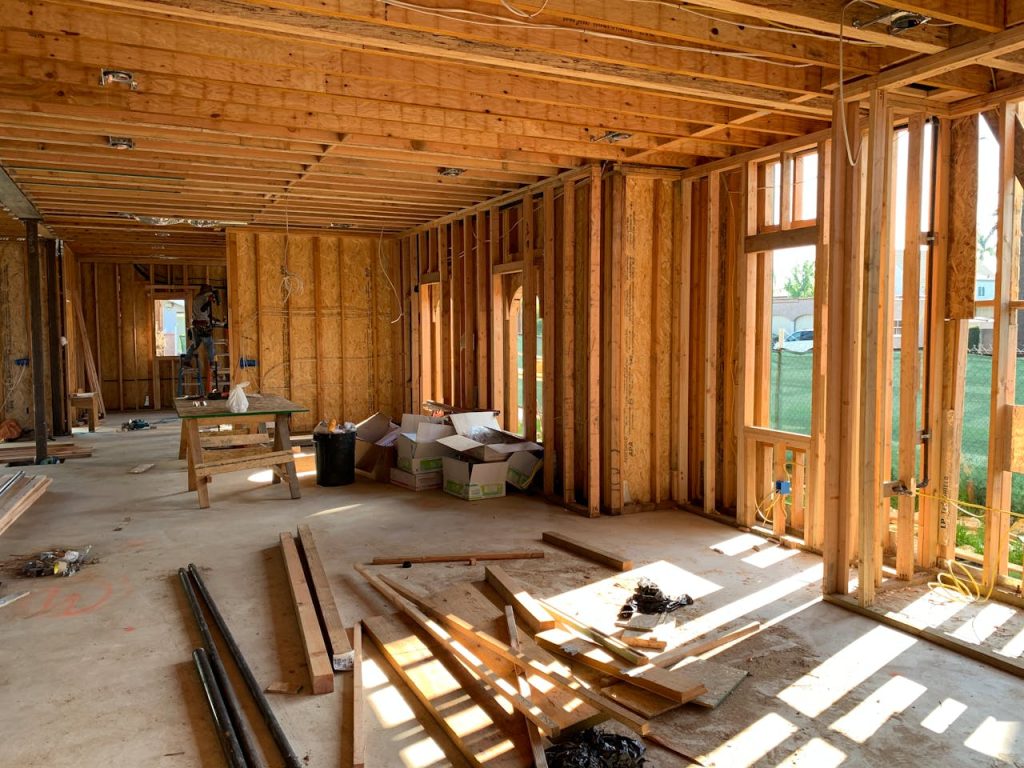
290, 759
219, 712
250, 746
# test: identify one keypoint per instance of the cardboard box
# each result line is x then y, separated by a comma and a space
423, 481
522, 468
479, 437
473, 480
374, 437
417, 446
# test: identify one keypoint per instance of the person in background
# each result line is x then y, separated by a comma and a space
201, 332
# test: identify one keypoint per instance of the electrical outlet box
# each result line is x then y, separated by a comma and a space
247, 362
782, 487
22, 361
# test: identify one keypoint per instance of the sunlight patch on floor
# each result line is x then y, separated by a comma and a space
752, 743
772, 555
423, 753
734, 545
978, 628
835, 677
891, 698
816, 753
944, 715
332, 510
995, 738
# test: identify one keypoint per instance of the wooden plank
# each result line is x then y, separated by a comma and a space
674, 685
90, 364
875, 340
527, 226
711, 329
358, 724
552, 450
337, 638
321, 675
483, 313
539, 664
603, 639
644, 640
615, 405
138, 469
644, 703
1004, 344
594, 356
567, 305
540, 759
458, 557
465, 655
469, 725
910, 364
681, 337
700, 647
513, 592
445, 315
20, 496
614, 561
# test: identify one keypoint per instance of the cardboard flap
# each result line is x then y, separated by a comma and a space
514, 447
373, 428
459, 443
466, 422
412, 421
428, 432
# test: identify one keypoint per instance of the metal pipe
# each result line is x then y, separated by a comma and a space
58, 403
35, 303
219, 713
11, 481
290, 759
250, 746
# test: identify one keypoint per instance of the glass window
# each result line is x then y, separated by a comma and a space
169, 323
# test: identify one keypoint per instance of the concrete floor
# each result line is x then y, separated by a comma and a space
96, 668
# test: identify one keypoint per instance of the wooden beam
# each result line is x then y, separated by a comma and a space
711, 285
782, 239
459, 557
358, 724
540, 759
612, 560
337, 638
875, 338
594, 356
514, 593
321, 674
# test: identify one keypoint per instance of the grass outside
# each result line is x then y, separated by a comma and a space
790, 410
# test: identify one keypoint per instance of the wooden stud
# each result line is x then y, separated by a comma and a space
567, 308
711, 288
540, 759
321, 674
614, 561
551, 457
514, 593
527, 226
337, 638
594, 356
459, 557
358, 724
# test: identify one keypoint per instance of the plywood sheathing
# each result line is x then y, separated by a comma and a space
316, 314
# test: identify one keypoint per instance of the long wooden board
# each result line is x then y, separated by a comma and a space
458, 557
583, 549
513, 592
467, 723
337, 638
358, 726
321, 675
540, 759
676, 685
22, 494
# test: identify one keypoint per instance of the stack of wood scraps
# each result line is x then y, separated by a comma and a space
24, 451
529, 674
18, 492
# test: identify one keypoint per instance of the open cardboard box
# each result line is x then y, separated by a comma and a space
375, 446
418, 448
423, 481
479, 437
474, 480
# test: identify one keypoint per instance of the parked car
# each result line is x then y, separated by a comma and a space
797, 341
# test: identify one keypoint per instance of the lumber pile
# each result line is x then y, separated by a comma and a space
27, 451
18, 492
532, 675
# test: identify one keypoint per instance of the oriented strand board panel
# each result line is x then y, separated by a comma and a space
963, 226
316, 313
14, 334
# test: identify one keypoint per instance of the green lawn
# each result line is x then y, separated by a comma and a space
791, 411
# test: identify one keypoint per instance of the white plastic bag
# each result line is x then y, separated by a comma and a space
237, 401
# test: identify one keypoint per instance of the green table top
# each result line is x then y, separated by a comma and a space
259, 405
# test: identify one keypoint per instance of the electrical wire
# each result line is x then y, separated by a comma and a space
842, 85
380, 263
502, 22
523, 14
965, 507
13, 389
968, 590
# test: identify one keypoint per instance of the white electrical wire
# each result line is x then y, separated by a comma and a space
13, 389
501, 22
523, 14
380, 263
850, 156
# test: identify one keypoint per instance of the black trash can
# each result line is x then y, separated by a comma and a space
335, 458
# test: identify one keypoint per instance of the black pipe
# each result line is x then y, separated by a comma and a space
219, 713
245, 735
35, 303
58, 403
290, 759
